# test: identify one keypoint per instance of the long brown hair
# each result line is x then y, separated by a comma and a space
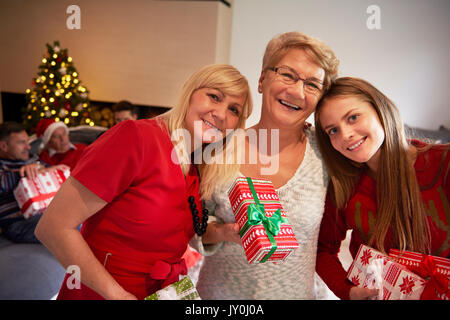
398, 197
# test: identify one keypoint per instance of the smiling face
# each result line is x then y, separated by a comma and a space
214, 112
59, 140
16, 147
288, 105
354, 129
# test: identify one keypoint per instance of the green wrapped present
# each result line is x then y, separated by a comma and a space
181, 290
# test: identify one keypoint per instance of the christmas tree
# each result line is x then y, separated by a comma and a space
58, 92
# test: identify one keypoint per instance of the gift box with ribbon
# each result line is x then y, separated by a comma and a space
34, 195
374, 270
180, 290
264, 228
435, 270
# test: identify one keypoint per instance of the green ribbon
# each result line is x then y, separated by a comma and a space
256, 215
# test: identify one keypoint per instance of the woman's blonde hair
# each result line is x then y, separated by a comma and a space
398, 198
229, 81
319, 52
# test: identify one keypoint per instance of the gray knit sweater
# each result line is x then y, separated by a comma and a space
226, 273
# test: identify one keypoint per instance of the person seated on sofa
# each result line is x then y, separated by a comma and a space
57, 146
15, 163
124, 110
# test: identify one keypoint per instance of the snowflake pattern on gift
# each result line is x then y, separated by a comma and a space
407, 286
355, 280
366, 257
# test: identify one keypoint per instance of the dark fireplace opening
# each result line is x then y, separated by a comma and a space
13, 104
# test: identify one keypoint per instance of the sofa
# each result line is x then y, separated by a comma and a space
28, 270
442, 135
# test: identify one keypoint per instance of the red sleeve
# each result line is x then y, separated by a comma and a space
45, 158
80, 146
447, 175
108, 166
333, 230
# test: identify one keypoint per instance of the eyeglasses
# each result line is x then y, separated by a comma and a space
289, 76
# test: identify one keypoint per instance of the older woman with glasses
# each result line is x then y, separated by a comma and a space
297, 69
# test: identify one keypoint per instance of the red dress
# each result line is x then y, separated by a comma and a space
69, 158
142, 233
433, 175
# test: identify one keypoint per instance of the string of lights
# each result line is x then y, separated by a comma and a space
58, 92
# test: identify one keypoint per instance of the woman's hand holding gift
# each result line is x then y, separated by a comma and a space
219, 232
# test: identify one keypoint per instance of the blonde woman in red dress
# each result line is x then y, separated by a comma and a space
138, 202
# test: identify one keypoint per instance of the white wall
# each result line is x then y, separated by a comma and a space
143, 50
407, 59
138, 50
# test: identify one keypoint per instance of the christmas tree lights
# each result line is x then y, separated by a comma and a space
58, 92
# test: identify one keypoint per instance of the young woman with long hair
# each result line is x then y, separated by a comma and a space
391, 191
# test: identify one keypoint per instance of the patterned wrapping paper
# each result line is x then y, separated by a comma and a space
413, 259
34, 195
374, 270
257, 245
180, 290
429, 267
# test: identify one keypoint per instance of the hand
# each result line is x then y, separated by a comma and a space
30, 170
230, 232
357, 293
219, 232
58, 167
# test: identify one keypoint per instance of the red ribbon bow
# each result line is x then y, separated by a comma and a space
436, 283
170, 273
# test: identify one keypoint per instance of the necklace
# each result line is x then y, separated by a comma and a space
199, 227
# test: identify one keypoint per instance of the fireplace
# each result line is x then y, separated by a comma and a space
13, 105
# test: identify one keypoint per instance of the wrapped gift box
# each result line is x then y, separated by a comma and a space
180, 290
371, 269
34, 195
436, 270
265, 231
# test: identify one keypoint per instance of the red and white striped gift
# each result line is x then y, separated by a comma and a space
34, 195
414, 259
256, 243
